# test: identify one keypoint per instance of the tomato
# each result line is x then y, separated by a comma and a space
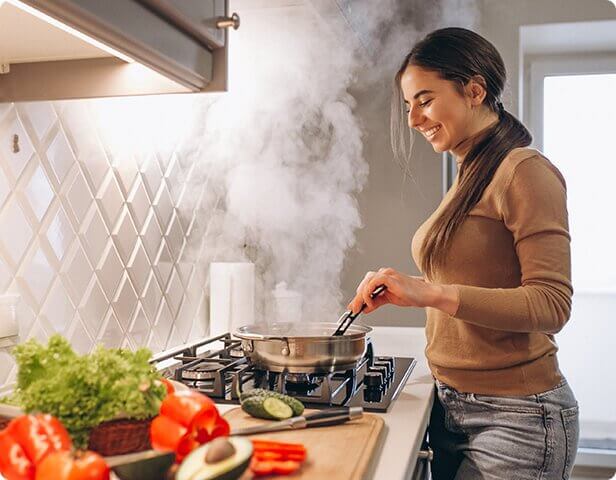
14, 464
73, 466
27, 441
39, 435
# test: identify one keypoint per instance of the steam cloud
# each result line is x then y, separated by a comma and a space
275, 164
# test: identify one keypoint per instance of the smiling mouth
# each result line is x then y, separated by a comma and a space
431, 132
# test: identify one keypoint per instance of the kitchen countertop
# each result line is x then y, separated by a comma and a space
407, 419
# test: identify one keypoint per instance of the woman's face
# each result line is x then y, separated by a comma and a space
437, 109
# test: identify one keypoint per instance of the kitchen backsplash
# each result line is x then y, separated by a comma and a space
97, 248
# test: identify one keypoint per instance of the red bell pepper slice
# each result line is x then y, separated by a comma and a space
187, 419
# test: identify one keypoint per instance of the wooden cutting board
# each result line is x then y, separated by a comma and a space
338, 452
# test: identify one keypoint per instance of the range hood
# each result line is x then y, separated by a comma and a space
61, 49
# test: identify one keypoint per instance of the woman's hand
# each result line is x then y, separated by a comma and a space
405, 291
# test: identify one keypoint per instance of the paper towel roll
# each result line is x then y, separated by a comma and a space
232, 296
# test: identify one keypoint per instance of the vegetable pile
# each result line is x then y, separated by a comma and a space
38, 447
83, 391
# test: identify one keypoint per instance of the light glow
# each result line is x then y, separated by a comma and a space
67, 29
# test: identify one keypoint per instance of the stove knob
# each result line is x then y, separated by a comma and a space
386, 366
389, 360
373, 380
382, 371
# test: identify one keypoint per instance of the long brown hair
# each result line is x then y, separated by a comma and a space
457, 55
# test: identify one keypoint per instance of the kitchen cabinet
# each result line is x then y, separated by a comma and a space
150, 46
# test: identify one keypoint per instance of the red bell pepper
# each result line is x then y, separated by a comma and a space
187, 419
81, 465
26, 441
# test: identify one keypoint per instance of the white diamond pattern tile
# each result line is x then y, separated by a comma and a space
125, 235
110, 271
110, 199
139, 203
139, 329
5, 275
125, 302
164, 322
80, 340
60, 234
112, 335
164, 264
93, 308
6, 365
5, 189
39, 193
79, 198
127, 169
163, 206
15, 239
151, 298
37, 275
94, 246
16, 161
41, 116
58, 308
152, 176
139, 268
77, 275
174, 293
152, 235
85, 142
95, 236
60, 157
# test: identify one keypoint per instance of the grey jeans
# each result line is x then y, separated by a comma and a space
488, 437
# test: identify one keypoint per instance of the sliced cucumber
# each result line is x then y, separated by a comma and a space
267, 407
294, 403
277, 408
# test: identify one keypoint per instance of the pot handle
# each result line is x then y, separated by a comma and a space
248, 344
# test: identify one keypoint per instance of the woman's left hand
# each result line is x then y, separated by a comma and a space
402, 290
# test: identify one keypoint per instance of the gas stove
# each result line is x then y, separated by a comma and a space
218, 368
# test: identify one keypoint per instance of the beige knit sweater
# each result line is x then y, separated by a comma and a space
510, 260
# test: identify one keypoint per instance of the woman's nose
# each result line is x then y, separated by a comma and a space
414, 119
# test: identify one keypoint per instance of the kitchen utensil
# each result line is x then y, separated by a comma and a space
307, 347
347, 318
148, 465
341, 452
318, 419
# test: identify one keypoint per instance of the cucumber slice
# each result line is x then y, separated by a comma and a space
277, 408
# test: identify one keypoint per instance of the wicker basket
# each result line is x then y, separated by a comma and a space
115, 437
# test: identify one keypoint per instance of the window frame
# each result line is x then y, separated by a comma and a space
541, 66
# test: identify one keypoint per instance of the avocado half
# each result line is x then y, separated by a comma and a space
194, 466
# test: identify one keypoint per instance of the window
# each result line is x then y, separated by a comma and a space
572, 103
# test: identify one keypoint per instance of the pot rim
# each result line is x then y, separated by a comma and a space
354, 332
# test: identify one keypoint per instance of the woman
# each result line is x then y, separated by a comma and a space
496, 263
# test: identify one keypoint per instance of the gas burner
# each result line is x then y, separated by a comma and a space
223, 373
203, 371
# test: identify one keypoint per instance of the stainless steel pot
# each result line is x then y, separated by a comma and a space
303, 347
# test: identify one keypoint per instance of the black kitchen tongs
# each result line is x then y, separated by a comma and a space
347, 318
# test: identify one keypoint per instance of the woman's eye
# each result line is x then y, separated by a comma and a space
426, 103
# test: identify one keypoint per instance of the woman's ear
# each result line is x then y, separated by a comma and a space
475, 90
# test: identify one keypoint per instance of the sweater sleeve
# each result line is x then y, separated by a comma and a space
534, 209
